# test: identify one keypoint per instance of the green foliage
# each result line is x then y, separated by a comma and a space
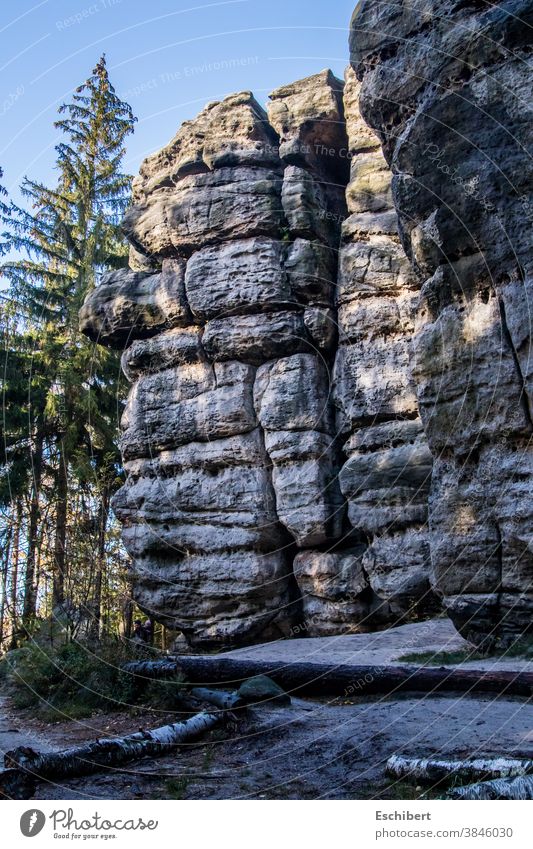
25, 386
4, 209
75, 679
164, 695
521, 648
69, 236
62, 394
176, 788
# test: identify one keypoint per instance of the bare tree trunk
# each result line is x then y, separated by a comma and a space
15, 576
103, 515
219, 698
128, 618
58, 590
5, 569
431, 770
83, 760
303, 678
40, 558
30, 588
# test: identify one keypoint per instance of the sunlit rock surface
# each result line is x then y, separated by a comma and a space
277, 471
387, 471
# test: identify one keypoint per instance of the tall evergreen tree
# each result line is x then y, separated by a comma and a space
4, 211
69, 235
3, 195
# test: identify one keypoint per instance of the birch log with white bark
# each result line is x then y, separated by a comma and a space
515, 789
91, 757
429, 770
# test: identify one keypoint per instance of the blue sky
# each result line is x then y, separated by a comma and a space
167, 58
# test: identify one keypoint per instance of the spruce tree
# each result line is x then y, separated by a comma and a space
69, 235
24, 430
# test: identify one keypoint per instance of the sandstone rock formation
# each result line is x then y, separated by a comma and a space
385, 479
447, 86
277, 470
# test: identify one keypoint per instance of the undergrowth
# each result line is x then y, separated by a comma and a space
76, 679
522, 648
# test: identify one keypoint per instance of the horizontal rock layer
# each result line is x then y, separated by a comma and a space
387, 463
277, 472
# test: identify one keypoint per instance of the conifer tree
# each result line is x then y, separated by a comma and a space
68, 236
23, 430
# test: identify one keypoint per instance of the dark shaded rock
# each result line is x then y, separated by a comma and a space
135, 304
446, 86
261, 689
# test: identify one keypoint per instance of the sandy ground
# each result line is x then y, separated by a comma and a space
333, 749
380, 647
307, 751
14, 732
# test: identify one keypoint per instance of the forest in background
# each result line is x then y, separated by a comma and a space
61, 558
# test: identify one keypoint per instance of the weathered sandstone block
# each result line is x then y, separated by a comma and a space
446, 86
246, 382
336, 597
387, 464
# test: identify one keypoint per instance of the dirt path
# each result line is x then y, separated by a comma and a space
14, 733
310, 750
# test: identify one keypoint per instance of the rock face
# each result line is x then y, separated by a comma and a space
446, 85
277, 469
385, 478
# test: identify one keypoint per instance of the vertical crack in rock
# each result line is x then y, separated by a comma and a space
447, 87
524, 400
277, 467
387, 470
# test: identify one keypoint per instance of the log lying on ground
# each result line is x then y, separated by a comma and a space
91, 757
152, 668
500, 788
16, 784
432, 770
219, 698
157, 669
315, 679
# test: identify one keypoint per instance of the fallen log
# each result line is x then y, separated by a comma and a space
218, 698
316, 679
157, 669
91, 757
500, 788
152, 668
433, 770
16, 784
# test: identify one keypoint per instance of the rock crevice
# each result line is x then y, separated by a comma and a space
277, 469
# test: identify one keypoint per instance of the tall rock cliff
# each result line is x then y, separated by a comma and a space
277, 473
387, 470
446, 84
